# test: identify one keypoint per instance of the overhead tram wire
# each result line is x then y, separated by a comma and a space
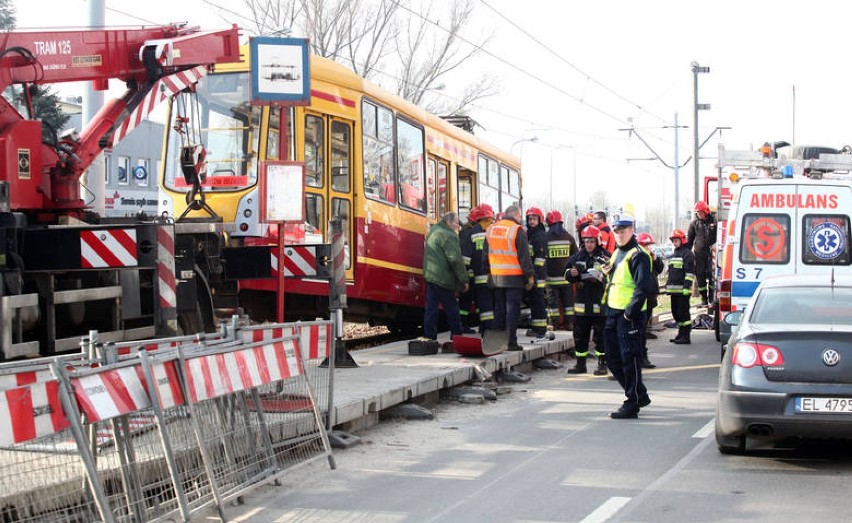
571, 65
513, 66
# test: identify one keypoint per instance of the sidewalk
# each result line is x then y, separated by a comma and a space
387, 376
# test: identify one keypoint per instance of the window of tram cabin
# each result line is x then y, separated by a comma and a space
443, 204
410, 165
377, 130
436, 188
341, 153
229, 130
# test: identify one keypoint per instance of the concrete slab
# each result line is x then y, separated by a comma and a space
387, 375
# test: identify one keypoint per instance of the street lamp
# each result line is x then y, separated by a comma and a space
533, 139
697, 107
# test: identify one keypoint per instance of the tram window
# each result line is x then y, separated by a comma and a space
493, 174
273, 139
340, 209
410, 154
313, 218
465, 197
514, 184
379, 175
504, 178
314, 147
341, 146
443, 207
431, 191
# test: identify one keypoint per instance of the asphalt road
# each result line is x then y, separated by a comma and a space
548, 452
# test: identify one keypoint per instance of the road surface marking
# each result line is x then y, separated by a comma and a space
606, 511
705, 431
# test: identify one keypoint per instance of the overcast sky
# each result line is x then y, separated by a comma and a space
607, 65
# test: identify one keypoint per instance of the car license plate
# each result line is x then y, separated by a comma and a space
829, 405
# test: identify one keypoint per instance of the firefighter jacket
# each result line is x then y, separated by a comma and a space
702, 234
477, 258
506, 255
589, 288
537, 237
629, 282
657, 268
442, 259
681, 271
560, 247
607, 238
466, 244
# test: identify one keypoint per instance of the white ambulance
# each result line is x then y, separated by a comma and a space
784, 216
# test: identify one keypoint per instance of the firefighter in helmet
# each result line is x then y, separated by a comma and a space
701, 237
466, 298
679, 285
483, 293
537, 239
561, 245
584, 269
645, 240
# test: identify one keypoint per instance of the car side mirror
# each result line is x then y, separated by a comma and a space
733, 318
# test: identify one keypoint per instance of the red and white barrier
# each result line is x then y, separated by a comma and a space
316, 339
31, 412
215, 375
167, 384
20, 379
111, 392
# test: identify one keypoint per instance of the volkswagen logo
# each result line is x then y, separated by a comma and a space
830, 357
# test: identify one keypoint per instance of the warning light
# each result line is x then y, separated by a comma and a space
734, 177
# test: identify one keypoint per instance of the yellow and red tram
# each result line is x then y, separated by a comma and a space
385, 167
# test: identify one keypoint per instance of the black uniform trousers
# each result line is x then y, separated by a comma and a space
623, 345
588, 328
507, 311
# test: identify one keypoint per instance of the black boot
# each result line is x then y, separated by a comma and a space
601, 370
645, 362
678, 336
684, 338
580, 367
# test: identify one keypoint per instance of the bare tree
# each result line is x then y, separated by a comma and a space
365, 34
430, 49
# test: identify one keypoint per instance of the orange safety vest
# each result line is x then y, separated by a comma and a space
502, 253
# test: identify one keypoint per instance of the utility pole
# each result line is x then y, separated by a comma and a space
676, 176
697, 107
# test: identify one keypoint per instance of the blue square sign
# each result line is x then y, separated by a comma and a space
280, 71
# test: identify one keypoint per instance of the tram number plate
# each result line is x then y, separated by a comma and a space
829, 405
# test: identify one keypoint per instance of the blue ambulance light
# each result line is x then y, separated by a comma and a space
787, 171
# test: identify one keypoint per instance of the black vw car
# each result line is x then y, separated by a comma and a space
787, 369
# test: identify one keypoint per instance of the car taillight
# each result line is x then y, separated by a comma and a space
724, 295
748, 355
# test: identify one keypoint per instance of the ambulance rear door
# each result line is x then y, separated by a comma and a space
824, 228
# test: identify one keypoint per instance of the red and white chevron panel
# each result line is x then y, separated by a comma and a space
215, 375
165, 88
166, 267
31, 412
108, 248
20, 379
168, 386
299, 261
111, 393
315, 340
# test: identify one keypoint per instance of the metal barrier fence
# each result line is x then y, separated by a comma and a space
159, 431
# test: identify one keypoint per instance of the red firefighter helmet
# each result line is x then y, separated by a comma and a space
475, 214
535, 211
701, 206
591, 232
643, 238
584, 220
500, 216
679, 234
553, 217
485, 211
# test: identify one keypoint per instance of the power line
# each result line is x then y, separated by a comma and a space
479, 47
571, 65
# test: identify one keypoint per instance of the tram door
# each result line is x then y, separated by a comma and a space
328, 178
465, 195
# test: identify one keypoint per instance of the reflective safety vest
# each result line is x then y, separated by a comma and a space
621, 284
502, 253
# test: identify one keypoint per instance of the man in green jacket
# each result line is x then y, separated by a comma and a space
445, 275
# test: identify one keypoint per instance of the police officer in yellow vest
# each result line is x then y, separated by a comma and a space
629, 284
